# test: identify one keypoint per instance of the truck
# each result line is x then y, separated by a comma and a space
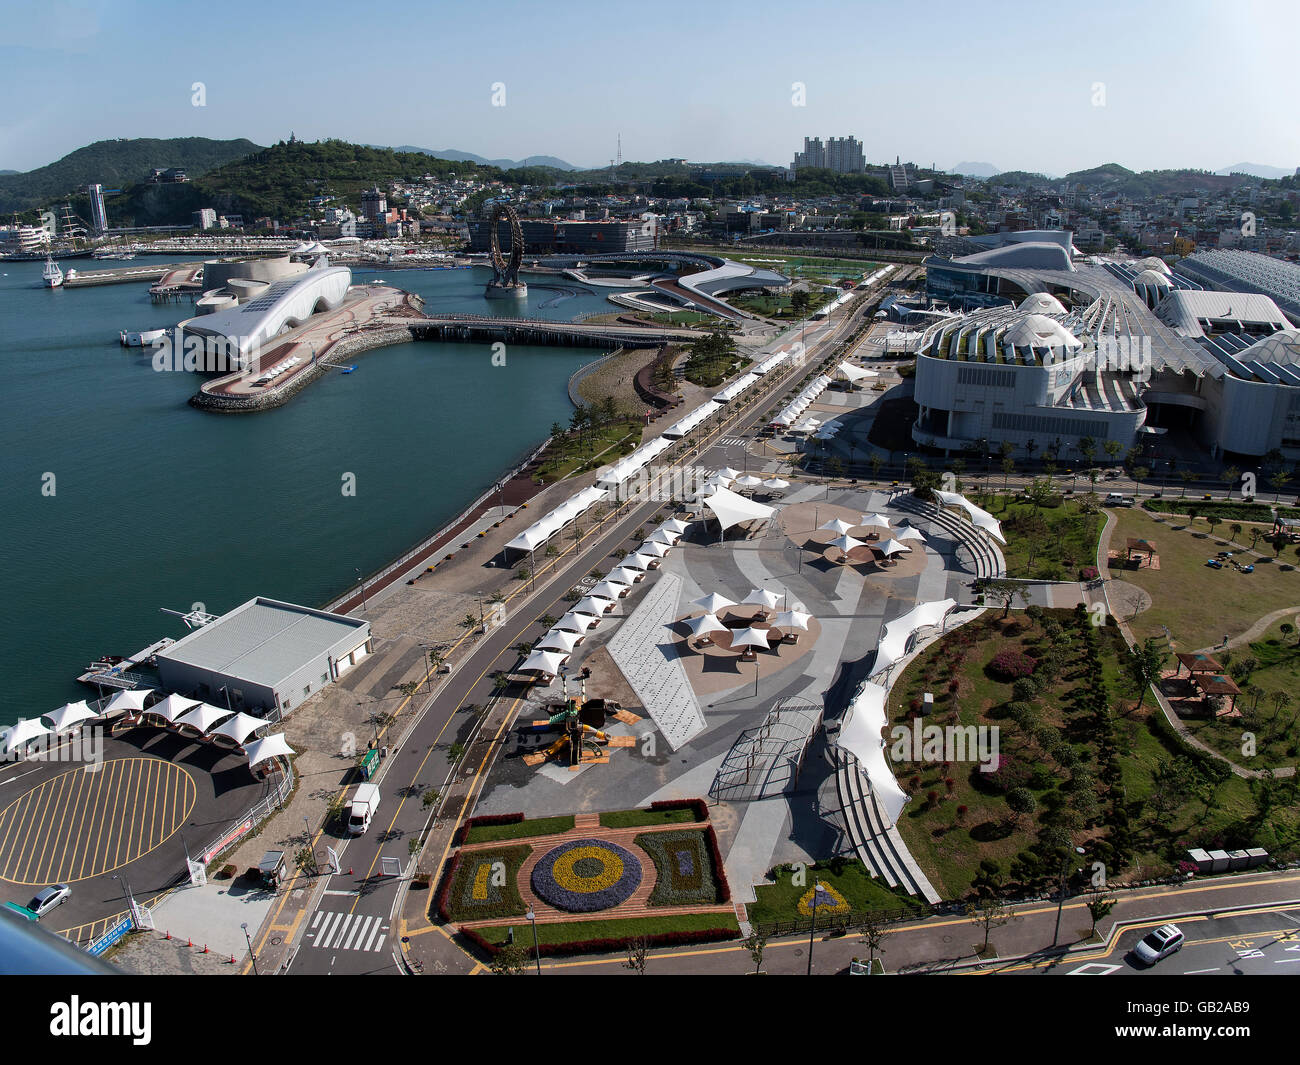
1117, 499
365, 801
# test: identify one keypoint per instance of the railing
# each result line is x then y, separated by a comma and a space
260, 809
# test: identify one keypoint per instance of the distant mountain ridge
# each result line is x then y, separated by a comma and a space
454, 156
1259, 170
968, 169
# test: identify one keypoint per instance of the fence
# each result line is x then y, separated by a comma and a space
260, 809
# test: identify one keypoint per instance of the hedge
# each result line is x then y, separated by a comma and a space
598, 946
699, 806
486, 819
1203, 508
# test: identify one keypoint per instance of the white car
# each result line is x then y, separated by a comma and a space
1158, 944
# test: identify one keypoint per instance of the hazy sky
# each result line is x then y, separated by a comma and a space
1017, 85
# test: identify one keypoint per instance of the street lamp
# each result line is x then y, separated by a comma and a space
130, 898
362, 583
537, 950
1060, 902
251, 956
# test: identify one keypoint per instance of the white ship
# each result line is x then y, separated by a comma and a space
52, 275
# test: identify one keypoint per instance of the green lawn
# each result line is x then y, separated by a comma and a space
600, 448
1047, 543
1197, 603
779, 901
537, 826
641, 818
626, 928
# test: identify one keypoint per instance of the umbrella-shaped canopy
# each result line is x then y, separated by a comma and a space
173, 706
876, 519
846, 543
650, 547
704, 624
239, 727
203, 716
891, 547
764, 597
593, 605
776, 484
838, 527
749, 638
640, 560
572, 622
728, 473
675, 525
624, 576
16, 735
268, 747
608, 590
132, 700
558, 640
70, 715
544, 662
718, 479
749, 481
910, 533
664, 536
791, 619
713, 602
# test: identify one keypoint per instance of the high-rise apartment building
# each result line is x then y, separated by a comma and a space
841, 154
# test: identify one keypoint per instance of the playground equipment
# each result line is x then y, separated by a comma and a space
578, 720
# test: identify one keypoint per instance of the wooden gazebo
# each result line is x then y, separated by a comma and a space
1197, 662
1140, 545
1209, 684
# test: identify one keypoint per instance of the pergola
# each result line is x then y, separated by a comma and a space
1209, 684
1197, 662
1136, 544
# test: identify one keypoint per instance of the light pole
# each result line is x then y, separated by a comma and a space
1060, 903
362, 583
537, 950
812, 931
130, 898
251, 956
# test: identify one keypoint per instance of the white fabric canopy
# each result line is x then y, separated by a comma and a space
771, 362
980, 518
173, 706
705, 624
652, 547
675, 525
546, 527
891, 547
664, 536
837, 526
876, 519
776, 484
749, 638
910, 533
544, 662
70, 715
593, 605
731, 509
239, 727
846, 543
749, 481
791, 619
639, 561
894, 636
203, 716
268, 747
713, 602
572, 622
860, 735
764, 597
736, 388
729, 473
689, 421
608, 589
21, 732
623, 575
131, 700
854, 373
615, 475
558, 640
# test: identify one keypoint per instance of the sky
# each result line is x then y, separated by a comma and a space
1023, 86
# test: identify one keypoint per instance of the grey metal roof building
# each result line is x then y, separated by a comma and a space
1248, 271
264, 655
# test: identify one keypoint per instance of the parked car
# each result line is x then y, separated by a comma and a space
1214, 563
48, 898
1158, 944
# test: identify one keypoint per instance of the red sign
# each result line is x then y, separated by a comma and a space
227, 839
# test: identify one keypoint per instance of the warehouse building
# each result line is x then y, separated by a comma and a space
264, 655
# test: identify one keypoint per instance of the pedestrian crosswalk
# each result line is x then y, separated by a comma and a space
346, 931
732, 441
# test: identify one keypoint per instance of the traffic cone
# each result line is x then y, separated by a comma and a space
232, 959
205, 948
168, 935
189, 942
349, 870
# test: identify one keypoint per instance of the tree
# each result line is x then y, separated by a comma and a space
1140, 474
1187, 477
989, 913
1022, 802
1008, 468
1039, 492
1112, 449
510, 960
873, 935
429, 798
455, 752
1098, 907
1005, 592
1277, 482
638, 954
1144, 666
756, 943
1230, 474
876, 462
1235, 529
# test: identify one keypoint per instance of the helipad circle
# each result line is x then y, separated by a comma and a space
92, 820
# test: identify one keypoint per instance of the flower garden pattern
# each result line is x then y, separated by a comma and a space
483, 884
684, 868
586, 875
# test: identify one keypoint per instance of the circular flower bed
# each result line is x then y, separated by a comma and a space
586, 875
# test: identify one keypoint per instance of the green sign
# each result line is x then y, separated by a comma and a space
369, 764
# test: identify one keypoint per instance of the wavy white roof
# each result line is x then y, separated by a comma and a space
1042, 303
1039, 331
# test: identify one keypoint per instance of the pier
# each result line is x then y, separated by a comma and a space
105, 674
121, 275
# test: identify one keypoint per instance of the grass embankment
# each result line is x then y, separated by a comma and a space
1076, 765
1051, 543
780, 305
537, 826
780, 901
574, 452
644, 818
627, 928
1199, 604
612, 381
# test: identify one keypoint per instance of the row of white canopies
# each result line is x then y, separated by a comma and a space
791, 411
550, 652
894, 545
612, 478
174, 709
794, 619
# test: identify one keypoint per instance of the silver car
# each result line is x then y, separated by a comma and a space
1158, 944
48, 898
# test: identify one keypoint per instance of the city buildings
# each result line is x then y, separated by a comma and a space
841, 154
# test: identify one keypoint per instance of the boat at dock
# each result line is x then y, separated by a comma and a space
52, 275
142, 339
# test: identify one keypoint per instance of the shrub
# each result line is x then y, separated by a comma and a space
698, 806
1025, 689
1011, 664
1088, 573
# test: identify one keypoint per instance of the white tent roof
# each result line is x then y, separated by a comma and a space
558, 640
894, 636
572, 622
736, 387
23, 730
846, 543
70, 715
791, 619
749, 638
608, 589
910, 533
713, 602
764, 597
771, 362
689, 421
749, 481
203, 716
860, 735
705, 623
729, 473
544, 662
652, 547
173, 706
593, 605
838, 526
891, 547
981, 519
854, 373
614, 475
132, 699
731, 509
675, 525
664, 536
776, 484
639, 561
546, 527
875, 519
239, 727
267, 747
623, 575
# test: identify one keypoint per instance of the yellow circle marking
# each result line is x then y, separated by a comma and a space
563, 870
81, 824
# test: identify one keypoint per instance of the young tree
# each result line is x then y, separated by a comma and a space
1144, 665
873, 935
510, 960
1005, 592
756, 943
988, 914
1230, 474
1098, 907
638, 954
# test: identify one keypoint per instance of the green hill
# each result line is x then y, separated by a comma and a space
114, 164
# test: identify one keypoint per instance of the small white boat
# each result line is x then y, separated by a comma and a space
143, 339
52, 275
